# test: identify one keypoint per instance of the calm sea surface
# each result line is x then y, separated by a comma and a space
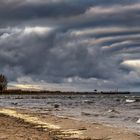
117, 110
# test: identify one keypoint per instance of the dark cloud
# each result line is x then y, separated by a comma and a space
20, 11
87, 44
69, 12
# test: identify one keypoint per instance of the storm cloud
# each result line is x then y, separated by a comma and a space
85, 44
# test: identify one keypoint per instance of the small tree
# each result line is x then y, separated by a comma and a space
95, 90
3, 82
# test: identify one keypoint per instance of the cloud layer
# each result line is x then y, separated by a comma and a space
85, 44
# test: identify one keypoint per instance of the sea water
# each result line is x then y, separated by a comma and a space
117, 110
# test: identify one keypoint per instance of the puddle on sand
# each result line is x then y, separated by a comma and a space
57, 130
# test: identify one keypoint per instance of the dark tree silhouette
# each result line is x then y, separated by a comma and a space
3, 82
95, 90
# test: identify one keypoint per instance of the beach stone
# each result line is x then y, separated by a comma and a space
85, 114
14, 103
82, 128
56, 106
113, 111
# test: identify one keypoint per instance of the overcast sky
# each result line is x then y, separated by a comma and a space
71, 44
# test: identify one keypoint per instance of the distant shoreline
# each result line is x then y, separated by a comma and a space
30, 92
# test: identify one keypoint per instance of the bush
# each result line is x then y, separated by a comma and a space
3, 82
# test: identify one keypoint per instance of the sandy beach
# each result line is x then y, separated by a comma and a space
25, 125
16, 129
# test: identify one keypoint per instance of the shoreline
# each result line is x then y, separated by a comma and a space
107, 124
55, 92
52, 127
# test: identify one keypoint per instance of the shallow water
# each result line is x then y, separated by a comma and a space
117, 110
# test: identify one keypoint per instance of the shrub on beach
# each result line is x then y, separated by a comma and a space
3, 82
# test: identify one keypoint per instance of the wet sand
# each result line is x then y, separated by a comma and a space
25, 125
16, 129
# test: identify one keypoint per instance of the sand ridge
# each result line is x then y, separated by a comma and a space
59, 133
